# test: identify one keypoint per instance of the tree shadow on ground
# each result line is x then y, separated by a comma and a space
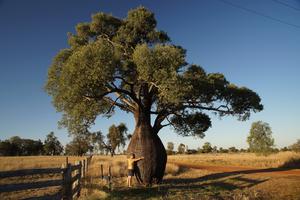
212, 185
293, 163
289, 165
209, 185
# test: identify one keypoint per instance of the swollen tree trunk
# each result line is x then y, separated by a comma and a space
146, 143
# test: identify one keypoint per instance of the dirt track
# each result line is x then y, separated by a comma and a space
242, 170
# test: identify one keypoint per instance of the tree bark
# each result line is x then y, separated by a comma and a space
145, 143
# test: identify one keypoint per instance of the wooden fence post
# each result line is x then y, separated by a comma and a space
101, 170
109, 177
87, 166
78, 173
83, 168
67, 183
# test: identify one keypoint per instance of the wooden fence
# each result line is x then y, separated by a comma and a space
70, 181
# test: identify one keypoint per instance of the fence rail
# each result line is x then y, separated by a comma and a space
70, 184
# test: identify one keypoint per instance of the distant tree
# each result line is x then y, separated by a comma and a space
233, 150
222, 150
215, 149
260, 138
81, 144
115, 139
170, 148
284, 149
243, 150
52, 145
191, 151
186, 149
6, 148
275, 150
31, 147
16, 146
296, 147
207, 148
181, 148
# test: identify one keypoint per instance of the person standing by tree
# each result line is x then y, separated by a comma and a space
131, 169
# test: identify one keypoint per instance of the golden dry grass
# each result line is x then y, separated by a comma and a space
29, 162
184, 183
236, 159
179, 182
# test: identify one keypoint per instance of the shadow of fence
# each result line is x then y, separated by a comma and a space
69, 183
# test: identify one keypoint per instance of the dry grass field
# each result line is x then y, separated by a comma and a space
30, 162
242, 176
238, 159
204, 176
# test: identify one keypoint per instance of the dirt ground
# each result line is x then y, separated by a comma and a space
273, 183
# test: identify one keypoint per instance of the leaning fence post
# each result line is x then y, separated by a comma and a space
101, 170
67, 182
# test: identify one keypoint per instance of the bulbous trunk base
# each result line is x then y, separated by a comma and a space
147, 144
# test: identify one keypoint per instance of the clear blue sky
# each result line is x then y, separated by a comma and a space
251, 50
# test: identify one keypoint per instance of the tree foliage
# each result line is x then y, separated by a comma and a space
296, 147
260, 138
129, 64
52, 145
115, 139
170, 148
16, 146
81, 144
181, 148
233, 150
207, 148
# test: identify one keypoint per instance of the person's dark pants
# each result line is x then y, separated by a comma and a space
130, 172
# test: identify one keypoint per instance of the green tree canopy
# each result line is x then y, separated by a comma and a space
81, 144
260, 138
207, 148
296, 146
129, 64
52, 145
170, 148
115, 138
181, 148
16, 146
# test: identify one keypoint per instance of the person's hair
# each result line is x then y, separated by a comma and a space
133, 155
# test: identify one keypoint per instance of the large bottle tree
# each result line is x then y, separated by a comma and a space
116, 64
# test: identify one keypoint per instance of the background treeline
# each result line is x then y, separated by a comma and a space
81, 144
208, 148
16, 146
260, 141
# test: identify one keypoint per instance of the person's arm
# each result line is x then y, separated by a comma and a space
137, 159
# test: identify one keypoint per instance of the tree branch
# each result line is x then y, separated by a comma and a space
211, 108
122, 106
